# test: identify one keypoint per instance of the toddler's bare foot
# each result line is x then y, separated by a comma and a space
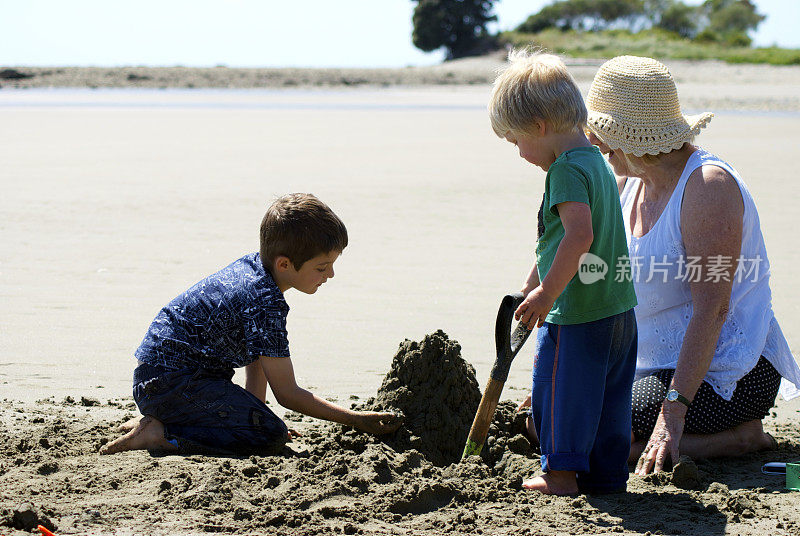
148, 434
130, 424
553, 483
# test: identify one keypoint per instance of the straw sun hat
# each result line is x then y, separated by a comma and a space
633, 106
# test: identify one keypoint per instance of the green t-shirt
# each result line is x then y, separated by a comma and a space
602, 287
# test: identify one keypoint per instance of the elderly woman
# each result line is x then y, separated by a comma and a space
710, 354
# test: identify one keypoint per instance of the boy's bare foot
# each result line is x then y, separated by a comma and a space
553, 483
147, 434
130, 424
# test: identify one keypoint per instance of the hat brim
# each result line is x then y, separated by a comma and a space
640, 141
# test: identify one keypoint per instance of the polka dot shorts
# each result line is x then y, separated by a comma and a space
709, 413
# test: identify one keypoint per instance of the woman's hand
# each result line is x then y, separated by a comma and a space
377, 423
663, 443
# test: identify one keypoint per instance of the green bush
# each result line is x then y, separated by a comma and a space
738, 39
713, 23
655, 42
771, 55
708, 36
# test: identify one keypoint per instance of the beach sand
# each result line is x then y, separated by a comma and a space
116, 200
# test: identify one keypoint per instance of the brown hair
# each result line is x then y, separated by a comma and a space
300, 227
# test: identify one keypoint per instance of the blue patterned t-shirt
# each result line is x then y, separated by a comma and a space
225, 321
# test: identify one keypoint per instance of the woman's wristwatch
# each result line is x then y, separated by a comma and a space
675, 396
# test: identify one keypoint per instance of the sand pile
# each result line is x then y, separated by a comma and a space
436, 390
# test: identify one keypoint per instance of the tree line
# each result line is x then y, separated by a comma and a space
460, 26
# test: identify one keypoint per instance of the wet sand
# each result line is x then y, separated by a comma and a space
117, 200
705, 84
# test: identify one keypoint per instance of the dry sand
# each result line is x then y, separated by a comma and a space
116, 200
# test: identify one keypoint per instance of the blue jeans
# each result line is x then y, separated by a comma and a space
581, 399
204, 412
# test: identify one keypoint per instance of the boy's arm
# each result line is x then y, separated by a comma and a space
254, 380
576, 218
279, 372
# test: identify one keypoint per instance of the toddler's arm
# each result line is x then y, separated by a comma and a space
532, 281
578, 237
279, 373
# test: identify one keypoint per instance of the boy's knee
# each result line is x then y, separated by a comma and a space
269, 432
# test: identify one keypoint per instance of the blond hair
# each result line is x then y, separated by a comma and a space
535, 86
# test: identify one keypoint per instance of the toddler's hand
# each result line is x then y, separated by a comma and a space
534, 308
526, 290
378, 423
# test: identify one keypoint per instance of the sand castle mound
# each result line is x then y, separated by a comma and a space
436, 391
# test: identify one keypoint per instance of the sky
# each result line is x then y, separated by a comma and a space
256, 33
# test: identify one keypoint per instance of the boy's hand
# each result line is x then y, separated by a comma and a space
378, 423
534, 308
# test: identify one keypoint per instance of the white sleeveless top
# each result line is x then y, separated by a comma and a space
661, 273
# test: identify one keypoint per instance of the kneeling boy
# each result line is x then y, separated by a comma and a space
237, 318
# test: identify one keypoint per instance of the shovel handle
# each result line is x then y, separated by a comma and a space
483, 418
508, 345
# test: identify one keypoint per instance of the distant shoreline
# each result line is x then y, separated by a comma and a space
706, 84
450, 73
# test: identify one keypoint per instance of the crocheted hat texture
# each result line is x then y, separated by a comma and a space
633, 107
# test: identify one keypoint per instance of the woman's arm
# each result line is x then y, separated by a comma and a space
279, 372
711, 225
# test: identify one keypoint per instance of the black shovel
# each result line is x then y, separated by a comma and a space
508, 346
